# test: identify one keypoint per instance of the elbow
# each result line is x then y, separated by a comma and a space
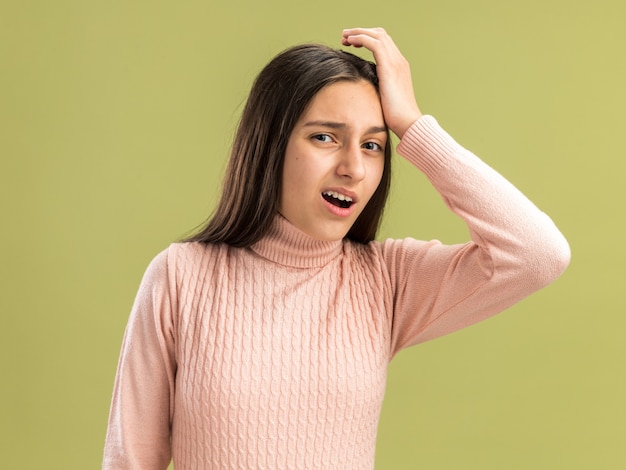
558, 262
550, 261
565, 256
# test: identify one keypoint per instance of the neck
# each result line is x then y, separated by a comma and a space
287, 245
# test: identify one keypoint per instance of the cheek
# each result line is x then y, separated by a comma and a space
293, 172
296, 177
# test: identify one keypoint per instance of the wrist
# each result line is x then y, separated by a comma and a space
402, 124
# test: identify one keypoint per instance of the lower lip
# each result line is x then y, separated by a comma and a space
339, 211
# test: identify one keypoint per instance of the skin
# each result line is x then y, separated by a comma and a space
337, 144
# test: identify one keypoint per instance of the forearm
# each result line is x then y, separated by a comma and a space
501, 220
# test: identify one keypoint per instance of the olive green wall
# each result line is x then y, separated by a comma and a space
115, 121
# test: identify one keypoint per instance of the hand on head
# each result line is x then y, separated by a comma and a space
397, 97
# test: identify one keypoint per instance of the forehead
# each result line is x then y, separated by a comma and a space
351, 103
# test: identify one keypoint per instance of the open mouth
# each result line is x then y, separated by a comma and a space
337, 199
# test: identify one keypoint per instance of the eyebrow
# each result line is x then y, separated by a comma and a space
341, 125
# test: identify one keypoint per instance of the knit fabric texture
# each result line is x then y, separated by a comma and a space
275, 356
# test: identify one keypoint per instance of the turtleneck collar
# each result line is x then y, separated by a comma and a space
287, 245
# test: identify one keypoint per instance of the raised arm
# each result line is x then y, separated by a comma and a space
515, 248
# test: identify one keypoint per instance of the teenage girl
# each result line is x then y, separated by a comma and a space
262, 342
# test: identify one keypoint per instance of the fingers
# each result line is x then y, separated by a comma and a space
355, 36
378, 42
370, 38
394, 73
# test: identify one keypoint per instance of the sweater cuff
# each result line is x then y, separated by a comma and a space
427, 146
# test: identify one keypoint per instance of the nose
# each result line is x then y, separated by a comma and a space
351, 164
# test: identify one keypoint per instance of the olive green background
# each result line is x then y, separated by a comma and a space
115, 123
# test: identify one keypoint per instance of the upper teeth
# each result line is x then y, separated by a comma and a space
339, 196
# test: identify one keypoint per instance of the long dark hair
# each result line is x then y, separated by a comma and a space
252, 183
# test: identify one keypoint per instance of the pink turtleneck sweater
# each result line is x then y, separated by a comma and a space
275, 356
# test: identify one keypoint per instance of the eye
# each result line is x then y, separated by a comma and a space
322, 138
372, 146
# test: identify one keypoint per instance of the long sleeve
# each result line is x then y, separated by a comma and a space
138, 435
515, 248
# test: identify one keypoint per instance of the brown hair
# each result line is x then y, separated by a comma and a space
253, 179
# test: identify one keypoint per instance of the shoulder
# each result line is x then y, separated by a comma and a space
182, 253
184, 259
392, 247
409, 258
177, 261
391, 250
176, 254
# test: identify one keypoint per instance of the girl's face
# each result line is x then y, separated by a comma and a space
334, 160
